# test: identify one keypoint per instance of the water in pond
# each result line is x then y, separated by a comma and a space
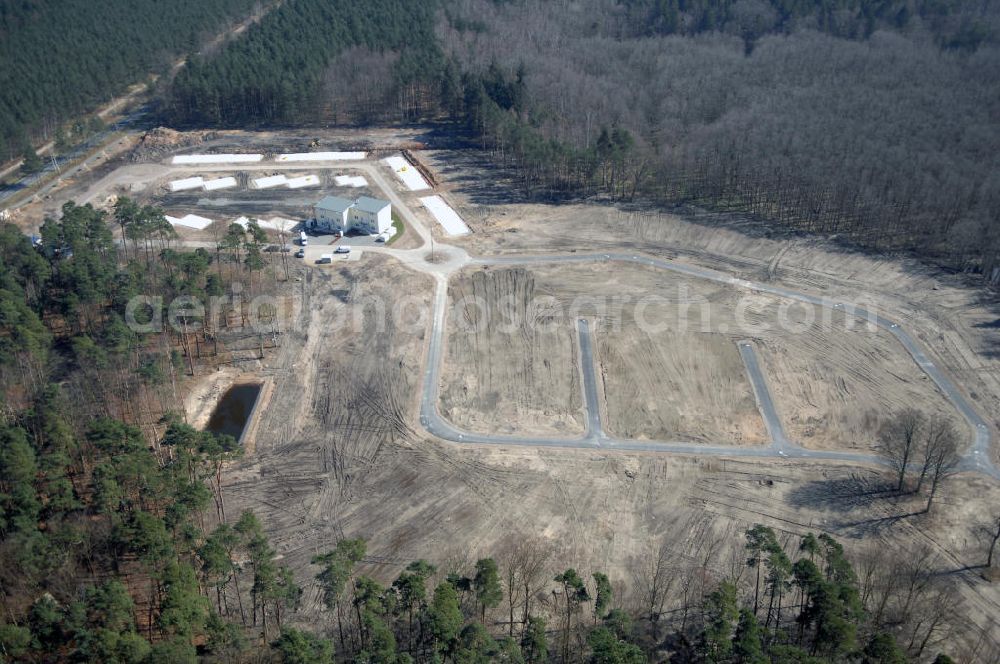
233, 410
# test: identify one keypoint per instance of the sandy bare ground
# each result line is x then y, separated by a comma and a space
668, 359
204, 394
677, 386
335, 458
835, 387
957, 323
506, 369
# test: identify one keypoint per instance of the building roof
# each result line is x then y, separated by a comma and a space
369, 204
334, 204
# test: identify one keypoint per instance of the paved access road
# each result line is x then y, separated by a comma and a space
763, 395
450, 259
590, 397
977, 459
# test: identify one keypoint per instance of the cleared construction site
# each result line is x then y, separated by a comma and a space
600, 378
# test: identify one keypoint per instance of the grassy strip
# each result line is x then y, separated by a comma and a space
400, 228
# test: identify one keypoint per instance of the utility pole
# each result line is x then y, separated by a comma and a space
281, 250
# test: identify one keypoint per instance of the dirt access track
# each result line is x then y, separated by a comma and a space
629, 437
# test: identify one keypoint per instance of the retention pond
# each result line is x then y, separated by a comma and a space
234, 410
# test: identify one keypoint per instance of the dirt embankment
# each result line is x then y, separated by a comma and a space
156, 144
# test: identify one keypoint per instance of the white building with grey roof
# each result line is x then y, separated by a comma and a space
363, 215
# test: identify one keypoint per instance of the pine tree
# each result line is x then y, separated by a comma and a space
721, 613
534, 643
444, 617
486, 584
31, 163
747, 642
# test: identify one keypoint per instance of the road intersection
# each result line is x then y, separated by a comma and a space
448, 260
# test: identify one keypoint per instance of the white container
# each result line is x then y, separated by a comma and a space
221, 183
304, 181
187, 183
270, 181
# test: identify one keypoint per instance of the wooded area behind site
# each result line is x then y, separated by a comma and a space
63, 58
871, 121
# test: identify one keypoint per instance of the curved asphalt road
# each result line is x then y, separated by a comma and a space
977, 459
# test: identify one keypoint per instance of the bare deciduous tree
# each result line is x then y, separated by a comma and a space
653, 581
936, 436
524, 567
879, 579
994, 537
930, 621
944, 458
917, 570
898, 439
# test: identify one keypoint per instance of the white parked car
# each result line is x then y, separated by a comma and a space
343, 249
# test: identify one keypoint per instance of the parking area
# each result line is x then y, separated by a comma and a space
314, 253
329, 239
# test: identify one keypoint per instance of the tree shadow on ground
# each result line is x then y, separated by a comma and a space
861, 505
482, 182
991, 341
842, 494
865, 528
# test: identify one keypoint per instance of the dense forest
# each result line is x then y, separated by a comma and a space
850, 19
104, 491
274, 73
885, 136
874, 121
61, 58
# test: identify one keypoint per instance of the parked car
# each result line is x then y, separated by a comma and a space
345, 249
301, 253
381, 238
